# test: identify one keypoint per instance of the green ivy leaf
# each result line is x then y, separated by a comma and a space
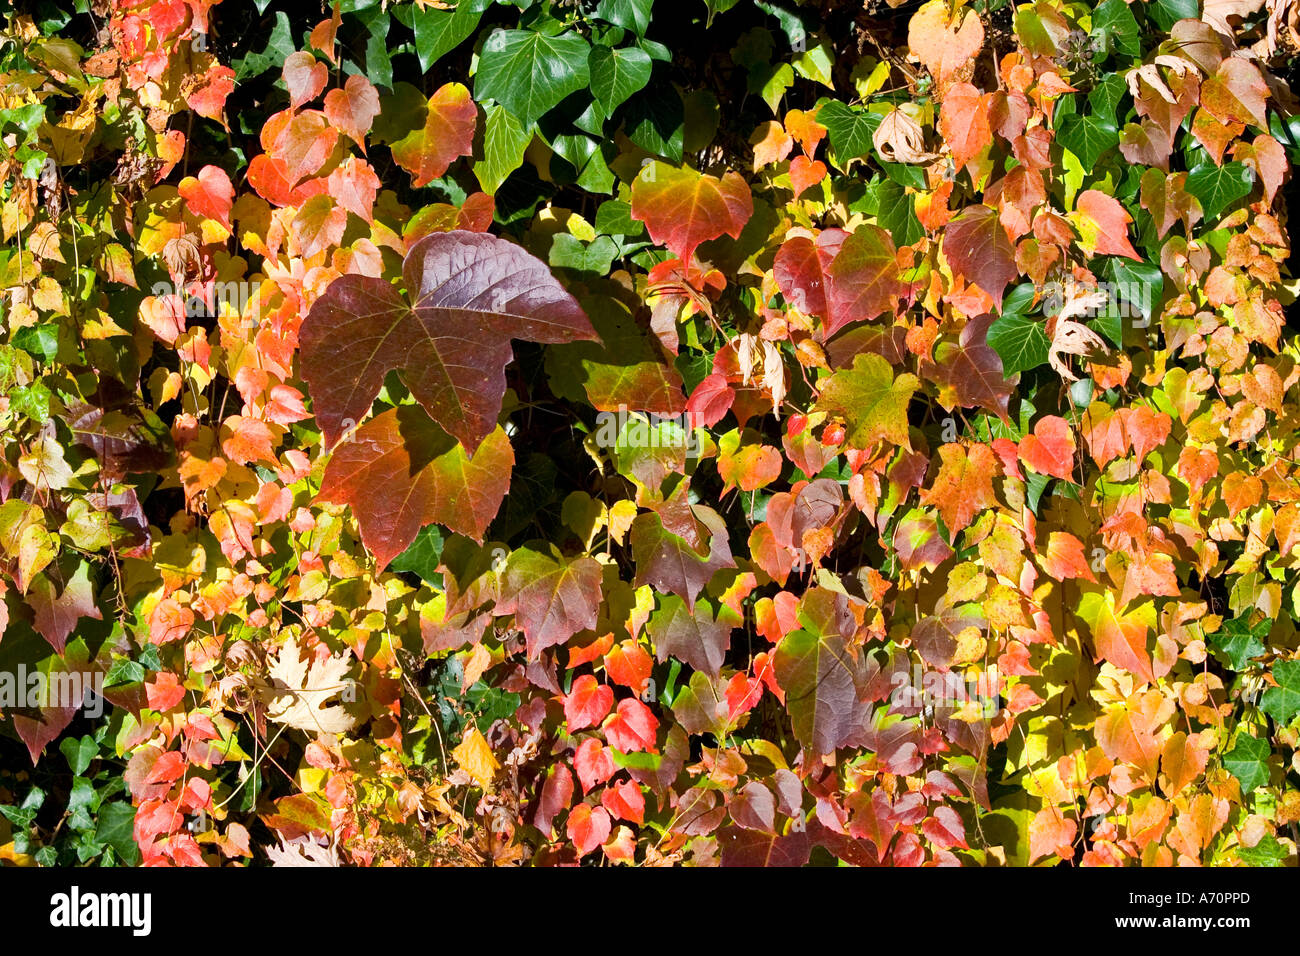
438, 32
504, 142
529, 73
1248, 762
849, 130
617, 74
1237, 642
1218, 187
1088, 137
1283, 701
1020, 341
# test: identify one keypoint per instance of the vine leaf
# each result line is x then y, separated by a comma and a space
467, 295
447, 133
551, 598
871, 401
683, 208
401, 471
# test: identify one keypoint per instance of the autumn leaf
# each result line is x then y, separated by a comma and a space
301, 691
467, 295
425, 477
682, 208
446, 133
964, 485
552, 598
871, 400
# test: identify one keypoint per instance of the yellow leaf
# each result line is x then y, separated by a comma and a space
474, 756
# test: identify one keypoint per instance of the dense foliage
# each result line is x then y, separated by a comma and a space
739, 431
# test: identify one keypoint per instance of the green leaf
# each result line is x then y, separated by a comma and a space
871, 400
504, 142
1020, 341
849, 130
1248, 762
423, 555
1088, 137
1218, 187
632, 15
1283, 701
1106, 95
1114, 22
529, 73
1139, 284
570, 252
278, 46
438, 32
1267, 852
656, 121
115, 828
41, 341
79, 753
1168, 12
1237, 642
617, 74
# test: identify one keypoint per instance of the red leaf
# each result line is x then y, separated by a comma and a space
425, 477
467, 295
353, 109
683, 208
587, 703
447, 133
304, 77
551, 599
1049, 450
632, 727
979, 251
594, 764
209, 195
624, 801
588, 828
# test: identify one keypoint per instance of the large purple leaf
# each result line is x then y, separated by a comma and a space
448, 335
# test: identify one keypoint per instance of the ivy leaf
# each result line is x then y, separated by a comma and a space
551, 598
850, 130
872, 402
1114, 21
467, 295
1283, 701
632, 15
1238, 642
656, 121
438, 32
504, 142
1020, 341
1248, 762
425, 476
617, 74
1218, 187
1088, 137
682, 208
529, 73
